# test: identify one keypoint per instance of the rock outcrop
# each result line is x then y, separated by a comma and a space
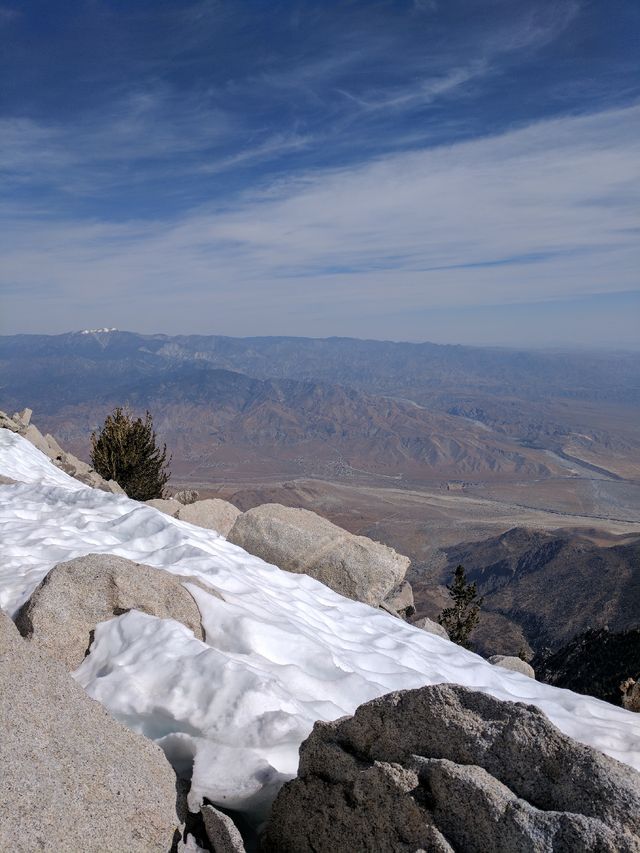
222, 832
67, 462
187, 496
63, 611
212, 513
72, 778
298, 540
431, 627
444, 768
400, 600
514, 664
630, 690
167, 506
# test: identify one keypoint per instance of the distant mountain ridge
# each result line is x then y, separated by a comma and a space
217, 421
374, 366
552, 586
416, 411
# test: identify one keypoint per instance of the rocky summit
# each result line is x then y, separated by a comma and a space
444, 768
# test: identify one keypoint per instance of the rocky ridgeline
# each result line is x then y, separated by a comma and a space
67, 462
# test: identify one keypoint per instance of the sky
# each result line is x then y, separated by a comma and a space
459, 171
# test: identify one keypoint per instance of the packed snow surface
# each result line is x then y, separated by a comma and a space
281, 650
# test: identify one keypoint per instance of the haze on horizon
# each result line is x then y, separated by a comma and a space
418, 170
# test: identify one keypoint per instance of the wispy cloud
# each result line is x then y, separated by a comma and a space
545, 212
420, 93
338, 102
273, 146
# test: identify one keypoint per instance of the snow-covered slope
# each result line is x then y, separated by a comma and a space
281, 650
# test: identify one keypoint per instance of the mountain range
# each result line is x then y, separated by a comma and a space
543, 588
336, 407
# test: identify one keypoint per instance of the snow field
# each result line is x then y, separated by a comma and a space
281, 650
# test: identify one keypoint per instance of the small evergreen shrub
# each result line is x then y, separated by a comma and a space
126, 450
463, 616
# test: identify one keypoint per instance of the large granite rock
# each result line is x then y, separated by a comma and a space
63, 611
444, 768
514, 664
71, 777
400, 600
431, 627
213, 513
167, 506
301, 541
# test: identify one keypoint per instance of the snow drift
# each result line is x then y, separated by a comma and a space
281, 650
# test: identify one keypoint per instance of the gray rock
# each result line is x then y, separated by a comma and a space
187, 496
76, 595
444, 765
222, 832
83, 472
400, 600
74, 779
431, 627
114, 488
477, 812
8, 423
7, 481
300, 541
25, 417
169, 507
630, 690
33, 434
47, 444
213, 513
514, 664
55, 449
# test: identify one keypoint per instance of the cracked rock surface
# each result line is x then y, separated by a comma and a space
445, 768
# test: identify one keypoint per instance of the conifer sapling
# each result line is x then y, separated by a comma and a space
463, 616
126, 450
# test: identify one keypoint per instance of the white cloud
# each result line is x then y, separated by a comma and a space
545, 212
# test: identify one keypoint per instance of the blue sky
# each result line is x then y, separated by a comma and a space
466, 170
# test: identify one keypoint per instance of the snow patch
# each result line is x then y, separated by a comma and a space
280, 652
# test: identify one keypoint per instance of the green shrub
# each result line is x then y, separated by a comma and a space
463, 616
126, 450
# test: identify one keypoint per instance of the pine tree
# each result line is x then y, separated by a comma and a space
126, 450
463, 616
